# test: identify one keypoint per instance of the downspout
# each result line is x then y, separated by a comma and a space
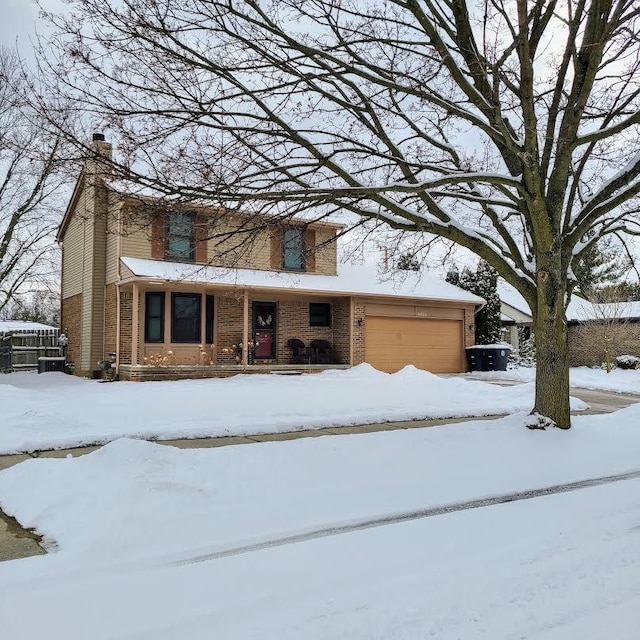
245, 329
118, 279
118, 322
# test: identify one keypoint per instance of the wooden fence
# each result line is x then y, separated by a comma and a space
20, 349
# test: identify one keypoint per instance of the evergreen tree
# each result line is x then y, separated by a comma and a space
453, 276
599, 265
484, 283
408, 262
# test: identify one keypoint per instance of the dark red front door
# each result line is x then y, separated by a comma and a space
264, 330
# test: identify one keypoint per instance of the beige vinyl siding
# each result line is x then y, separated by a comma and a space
126, 273
87, 293
326, 254
136, 241
113, 238
72, 257
83, 269
98, 268
246, 251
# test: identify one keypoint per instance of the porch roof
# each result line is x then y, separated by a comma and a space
351, 281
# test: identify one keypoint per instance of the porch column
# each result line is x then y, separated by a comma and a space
245, 329
134, 323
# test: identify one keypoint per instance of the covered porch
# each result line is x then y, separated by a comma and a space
172, 330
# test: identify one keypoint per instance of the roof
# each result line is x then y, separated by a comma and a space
352, 280
581, 310
511, 296
20, 325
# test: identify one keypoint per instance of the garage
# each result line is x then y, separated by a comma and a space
435, 345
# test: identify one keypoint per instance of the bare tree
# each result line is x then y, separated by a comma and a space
508, 128
29, 210
607, 321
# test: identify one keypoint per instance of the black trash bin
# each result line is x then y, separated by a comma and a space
488, 357
46, 365
475, 359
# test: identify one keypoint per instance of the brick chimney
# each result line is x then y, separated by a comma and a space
101, 149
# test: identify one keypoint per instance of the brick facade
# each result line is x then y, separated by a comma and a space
126, 319
71, 323
293, 318
586, 342
469, 326
229, 314
359, 327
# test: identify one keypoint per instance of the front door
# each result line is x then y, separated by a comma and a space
264, 330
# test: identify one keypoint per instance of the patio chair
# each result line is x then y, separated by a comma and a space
300, 353
322, 352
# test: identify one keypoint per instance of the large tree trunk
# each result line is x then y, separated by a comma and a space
552, 356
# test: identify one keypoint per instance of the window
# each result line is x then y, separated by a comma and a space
293, 248
185, 317
319, 314
180, 244
209, 319
154, 316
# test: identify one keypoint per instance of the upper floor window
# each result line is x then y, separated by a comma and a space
293, 248
180, 236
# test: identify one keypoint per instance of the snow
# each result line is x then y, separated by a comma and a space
496, 346
618, 380
54, 411
351, 280
511, 296
19, 325
136, 522
581, 310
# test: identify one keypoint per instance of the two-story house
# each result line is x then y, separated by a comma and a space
198, 292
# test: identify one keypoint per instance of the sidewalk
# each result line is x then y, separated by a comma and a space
16, 542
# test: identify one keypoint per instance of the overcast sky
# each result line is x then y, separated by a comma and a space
18, 23
17, 20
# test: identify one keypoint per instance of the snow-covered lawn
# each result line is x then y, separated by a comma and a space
130, 519
618, 380
53, 411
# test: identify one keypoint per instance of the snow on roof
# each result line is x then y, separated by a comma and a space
20, 325
352, 280
581, 310
511, 296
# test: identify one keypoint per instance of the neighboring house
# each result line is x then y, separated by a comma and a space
515, 314
593, 324
177, 292
589, 325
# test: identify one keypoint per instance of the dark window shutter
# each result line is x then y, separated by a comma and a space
158, 235
201, 239
310, 250
210, 307
276, 247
